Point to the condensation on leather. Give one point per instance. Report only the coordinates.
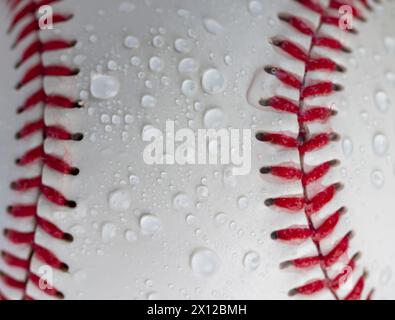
(119, 269)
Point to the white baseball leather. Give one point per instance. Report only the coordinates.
(105, 261)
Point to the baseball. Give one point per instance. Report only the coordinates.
(197, 149)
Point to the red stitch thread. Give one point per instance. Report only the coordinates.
(39, 71)
(54, 101)
(305, 143)
(26, 10)
(14, 261)
(41, 47)
(33, 26)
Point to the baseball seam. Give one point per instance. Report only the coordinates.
(305, 143)
(27, 10)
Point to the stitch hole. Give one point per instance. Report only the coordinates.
(68, 237)
(340, 68)
(363, 19)
(284, 17)
(269, 202)
(337, 87)
(64, 267)
(271, 70)
(74, 171)
(265, 170)
(261, 136)
(77, 136)
(338, 186)
(334, 136)
(20, 110)
(292, 292)
(285, 264)
(71, 204)
(79, 104)
(264, 102)
(357, 256)
(350, 234)
(18, 86)
(276, 42)
(342, 210)
(75, 72)
(274, 235)
(59, 295)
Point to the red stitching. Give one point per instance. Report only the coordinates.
(306, 143)
(51, 101)
(27, 11)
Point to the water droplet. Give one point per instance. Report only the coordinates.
(202, 192)
(213, 81)
(112, 65)
(255, 7)
(115, 119)
(126, 7)
(129, 119)
(377, 178)
(380, 144)
(181, 201)
(135, 61)
(131, 236)
(108, 232)
(382, 101)
(243, 202)
(93, 38)
(364, 115)
(229, 178)
(385, 276)
(149, 224)
(134, 180)
(120, 200)
(132, 42)
(389, 44)
(158, 41)
(153, 296)
(220, 218)
(190, 219)
(183, 45)
(148, 101)
(390, 76)
(105, 118)
(189, 88)
(347, 146)
(204, 262)
(104, 86)
(149, 131)
(213, 26)
(188, 66)
(228, 60)
(183, 13)
(214, 119)
(156, 64)
(251, 260)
